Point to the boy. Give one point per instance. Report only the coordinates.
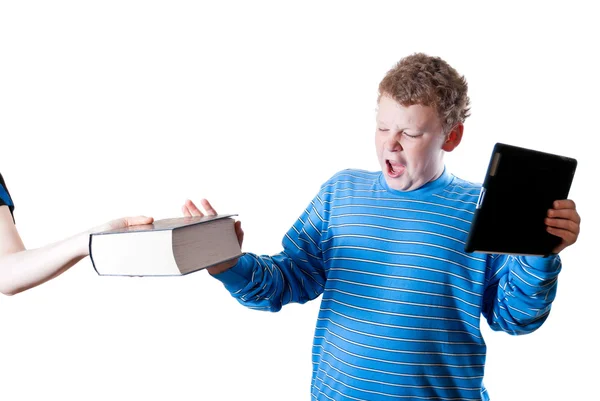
(399, 317)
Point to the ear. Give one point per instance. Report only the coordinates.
(453, 138)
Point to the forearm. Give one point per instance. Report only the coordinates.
(520, 298)
(297, 274)
(25, 269)
(268, 283)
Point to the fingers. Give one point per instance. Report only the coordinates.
(137, 220)
(239, 232)
(564, 204)
(208, 207)
(123, 222)
(565, 224)
(567, 236)
(565, 214)
(190, 209)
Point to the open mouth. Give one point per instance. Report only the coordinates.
(394, 169)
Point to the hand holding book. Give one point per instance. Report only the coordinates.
(122, 223)
(112, 225)
(190, 209)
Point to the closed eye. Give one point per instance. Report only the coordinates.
(402, 133)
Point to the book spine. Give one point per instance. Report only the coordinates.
(91, 253)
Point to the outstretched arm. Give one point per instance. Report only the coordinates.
(268, 282)
(21, 269)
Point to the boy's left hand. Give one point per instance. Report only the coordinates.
(563, 221)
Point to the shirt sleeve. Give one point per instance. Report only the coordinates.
(296, 274)
(519, 291)
(5, 199)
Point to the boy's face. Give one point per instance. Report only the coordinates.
(409, 144)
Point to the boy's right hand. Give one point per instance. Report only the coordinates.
(190, 209)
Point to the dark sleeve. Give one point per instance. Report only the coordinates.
(5, 199)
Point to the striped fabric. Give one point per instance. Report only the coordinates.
(399, 316)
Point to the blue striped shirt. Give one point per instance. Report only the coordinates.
(399, 316)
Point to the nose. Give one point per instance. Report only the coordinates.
(393, 143)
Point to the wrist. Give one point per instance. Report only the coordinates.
(82, 242)
(221, 267)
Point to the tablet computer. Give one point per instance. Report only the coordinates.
(519, 187)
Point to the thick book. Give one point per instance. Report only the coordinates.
(169, 247)
(520, 186)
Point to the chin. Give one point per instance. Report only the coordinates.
(397, 184)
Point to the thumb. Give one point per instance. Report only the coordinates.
(239, 232)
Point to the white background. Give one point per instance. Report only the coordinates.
(119, 108)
